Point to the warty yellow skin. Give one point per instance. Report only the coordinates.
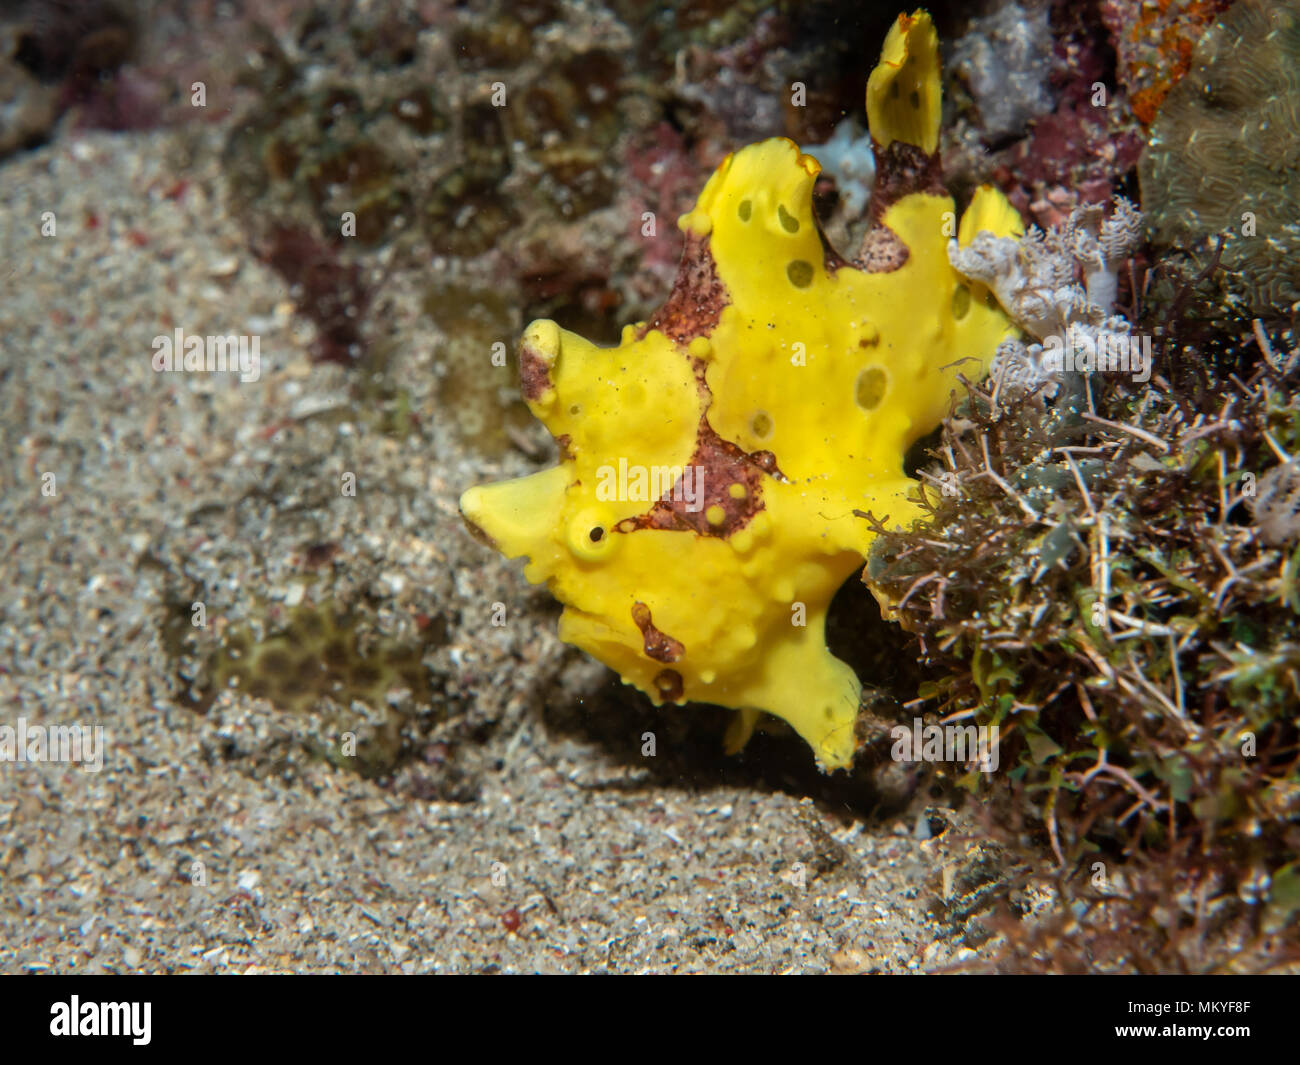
(815, 375)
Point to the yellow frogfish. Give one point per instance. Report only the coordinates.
(716, 463)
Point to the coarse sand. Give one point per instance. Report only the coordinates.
(516, 835)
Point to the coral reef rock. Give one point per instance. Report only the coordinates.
(1224, 152)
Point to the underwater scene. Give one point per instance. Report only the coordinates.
(649, 486)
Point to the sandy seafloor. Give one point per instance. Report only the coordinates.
(601, 861)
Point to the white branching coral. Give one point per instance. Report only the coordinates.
(1101, 245)
(1059, 286)
(1066, 276)
(1018, 369)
